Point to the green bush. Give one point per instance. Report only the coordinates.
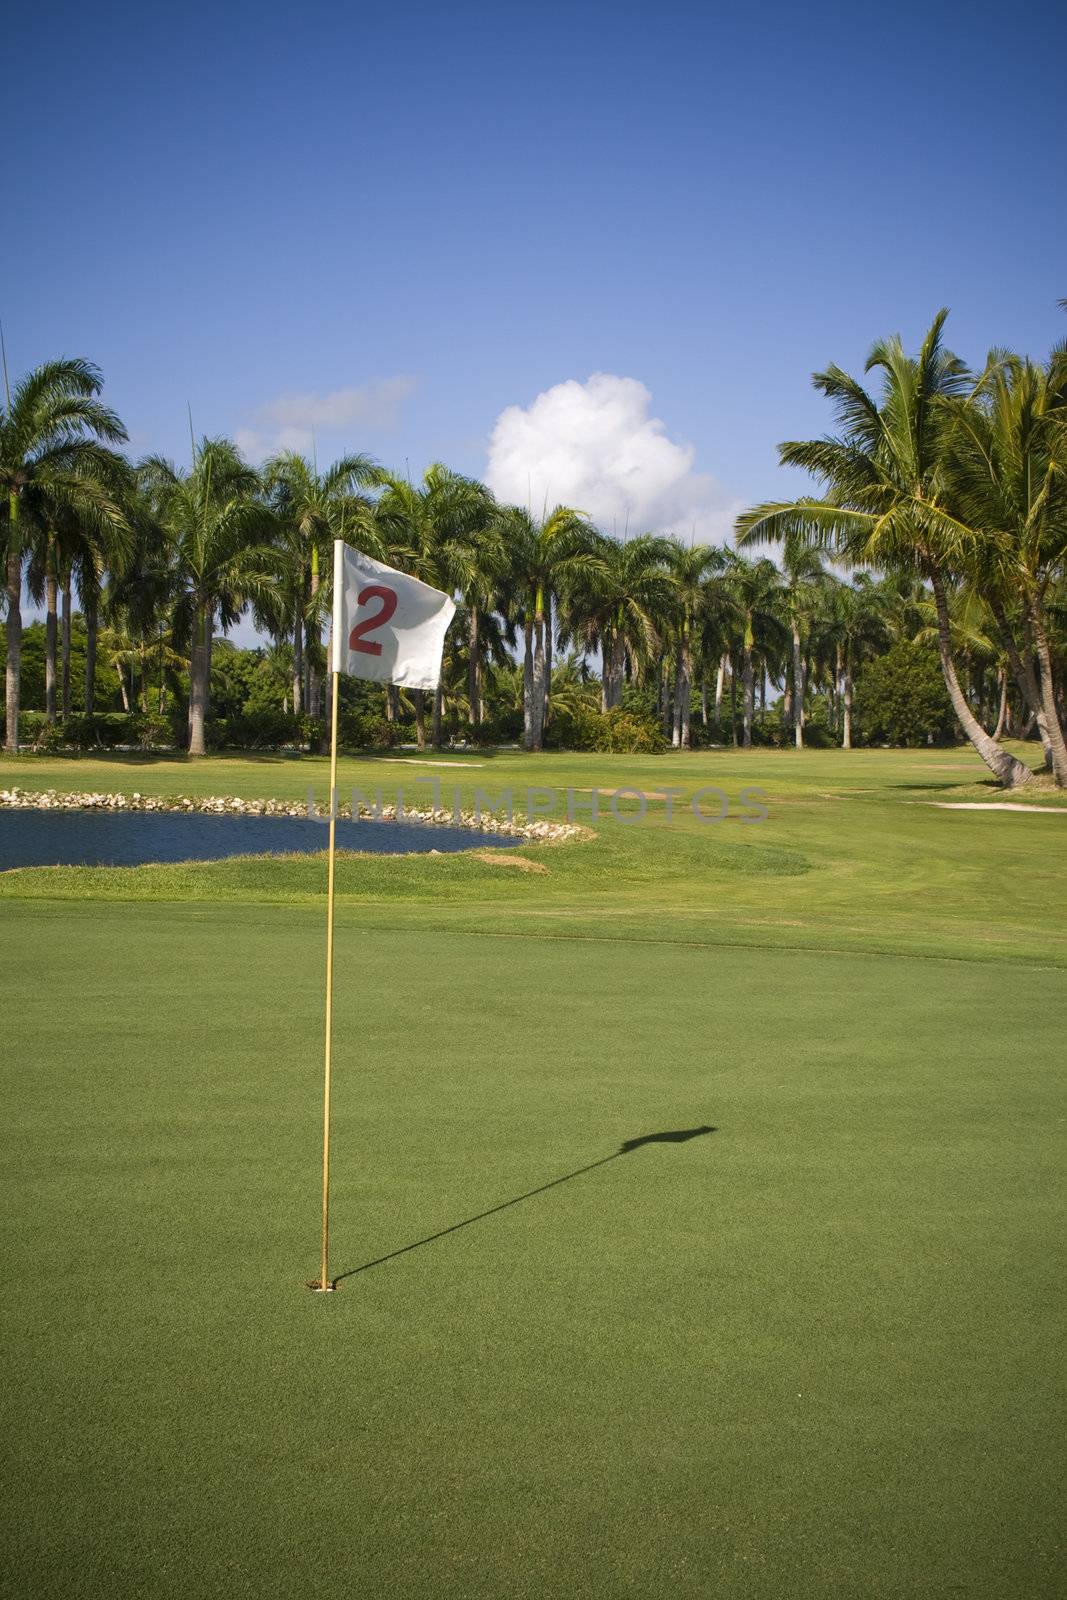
(266, 729)
(629, 733)
(151, 730)
(573, 728)
(617, 732)
(818, 734)
(504, 729)
(901, 699)
(103, 730)
(361, 730)
(36, 731)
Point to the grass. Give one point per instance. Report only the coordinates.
(813, 1353)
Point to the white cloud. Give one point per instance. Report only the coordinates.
(293, 421)
(595, 446)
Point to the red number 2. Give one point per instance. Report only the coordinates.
(357, 639)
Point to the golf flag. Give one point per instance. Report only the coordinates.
(390, 628)
(387, 626)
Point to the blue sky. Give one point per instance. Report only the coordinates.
(389, 224)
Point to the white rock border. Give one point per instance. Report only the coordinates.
(540, 831)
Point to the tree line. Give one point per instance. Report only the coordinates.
(945, 495)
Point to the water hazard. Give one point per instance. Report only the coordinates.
(131, 839)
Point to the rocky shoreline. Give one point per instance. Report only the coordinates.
(540, 831)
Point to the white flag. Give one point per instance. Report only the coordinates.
(387, 626)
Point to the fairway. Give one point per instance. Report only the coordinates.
(814, 1351)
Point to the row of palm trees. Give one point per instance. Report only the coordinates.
(949, 485)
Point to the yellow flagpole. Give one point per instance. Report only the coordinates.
(324, 1285)
(324, 1279)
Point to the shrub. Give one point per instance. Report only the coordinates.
(573, 728)
(901, 699)
(617, 732)
(361, 730)
(506, 728)
(267, 729)
(629, 733)
(818, 734)
(103, 730)
(36, 731)
(107, 729)
(151, 730)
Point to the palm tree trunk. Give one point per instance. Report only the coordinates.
(65, 652)
(1002, 716)
(539, 684)
(125, 696)
(528, 686)
(438, 711)
(733, 703)
(676, 725)
(1053, 728)
(749, 705)
(685, 689)
(835, 687)
(720, 678)
(1009, 772)
(298, 661)
(846, 699)
(798, 689)
(614, 662)
(704, 703)
(312, 639)
(91, 625)
(14, 632)
(199, 680)
(420, 718)
(51, 591)
(546, 699)
(474, 686)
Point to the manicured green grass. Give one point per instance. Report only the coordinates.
(813, 1353)
(851, 857)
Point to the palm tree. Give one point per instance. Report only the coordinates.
(805, 580)
(220, 532)
(54, 464)
(693, 567)
(885, 501)
(857, 629)
(473, 559)
(314, 509)
(66, 552)
(544, 559)
(617, 600)
(757, 587)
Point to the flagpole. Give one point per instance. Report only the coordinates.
(324, 1278)
(422, 627)
(324, 1284)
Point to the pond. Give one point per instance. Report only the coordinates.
(31, 838)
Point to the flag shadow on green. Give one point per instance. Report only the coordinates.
(671, 1136)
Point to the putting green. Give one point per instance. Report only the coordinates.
(811, 1353)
